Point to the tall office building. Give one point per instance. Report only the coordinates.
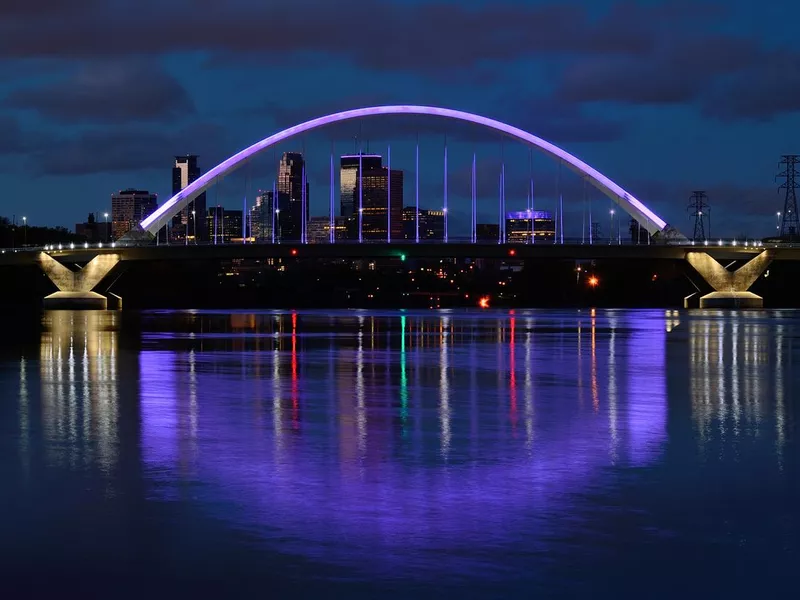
(190, 220)
(128, 208)
(378, 186)
(225, 226)
(431, 224)
(348, 176)
(261, 217)
(290, 197)
(524, 226)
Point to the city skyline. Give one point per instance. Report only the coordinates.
(665, 98)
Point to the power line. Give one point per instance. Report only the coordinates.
(789, 218)
(701, 211)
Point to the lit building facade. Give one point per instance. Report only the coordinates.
(319, 229)
(189, 221)
(376, 188)
(291, 184)
(224, 226)
(529, 225)
(128, 208)
(431, 224)
(348, 178)
(261, 217)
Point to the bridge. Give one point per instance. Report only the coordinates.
(76, 286)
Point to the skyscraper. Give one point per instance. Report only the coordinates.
(190, 220)
(292, 197)
(379, 185)
(261, 217)
(348, 173)
(431, 224)
(128, 208)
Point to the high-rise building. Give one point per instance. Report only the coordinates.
(348, 176)
(319, 229)
(224, 226)
(292, 195)
(189, 221)
(374, 188)
(431, 224)
(261, 217)
(526, 225)
(128, 208)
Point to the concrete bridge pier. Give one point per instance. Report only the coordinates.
(75, 287)
(730, 287)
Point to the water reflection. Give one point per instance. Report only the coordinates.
(737, 378)
(374, 441)
(79, 388)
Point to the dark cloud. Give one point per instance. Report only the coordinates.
(428, 37)
(12, 138)
(121, 150)
(108, 91)
(761, 91)
(678, 71)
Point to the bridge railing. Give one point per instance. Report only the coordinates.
(567, 241)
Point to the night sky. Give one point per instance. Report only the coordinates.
(662, 97)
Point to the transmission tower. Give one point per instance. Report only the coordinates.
(701, 211)
(790, 227)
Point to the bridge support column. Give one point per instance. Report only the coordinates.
(75, 287)
(730, 287)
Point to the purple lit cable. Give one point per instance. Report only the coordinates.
(445, 189)
(632, 205)
(332, 219)
(360, 195)
(389, 194)
(416, 173)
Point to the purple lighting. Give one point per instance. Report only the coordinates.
(527, 214)
(629, 203)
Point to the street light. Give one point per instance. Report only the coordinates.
(24, 231)
(194, 224)
(610, 226)
(107, 232)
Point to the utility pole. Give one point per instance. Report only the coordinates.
(701, 211)
(790, 227)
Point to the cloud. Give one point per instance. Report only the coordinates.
(439, 36)
(12, 138)
(110, 92)
(124, 149)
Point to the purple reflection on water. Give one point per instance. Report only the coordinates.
(330, 469)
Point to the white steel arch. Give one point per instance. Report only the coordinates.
(630, 204)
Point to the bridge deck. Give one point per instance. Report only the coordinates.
(395, 250)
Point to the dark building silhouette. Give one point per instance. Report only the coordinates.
(93, 230)
(431, 224)
(128, 208)
(639, 235)
(291, 180)
(189, 221)
(487, 232)
(348, 177)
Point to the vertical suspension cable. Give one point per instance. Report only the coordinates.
(360, 194)
(474, 229)
(275, 209)
(389, 194)
(416, 213)
(332, 223)
(445, 189)
(583, 223)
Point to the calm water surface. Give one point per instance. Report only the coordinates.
(619, 454)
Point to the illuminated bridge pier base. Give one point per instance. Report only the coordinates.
(730, 287)
(75, 288)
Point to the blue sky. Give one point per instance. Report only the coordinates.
(662, 97)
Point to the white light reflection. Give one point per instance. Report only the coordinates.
(444, 389)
